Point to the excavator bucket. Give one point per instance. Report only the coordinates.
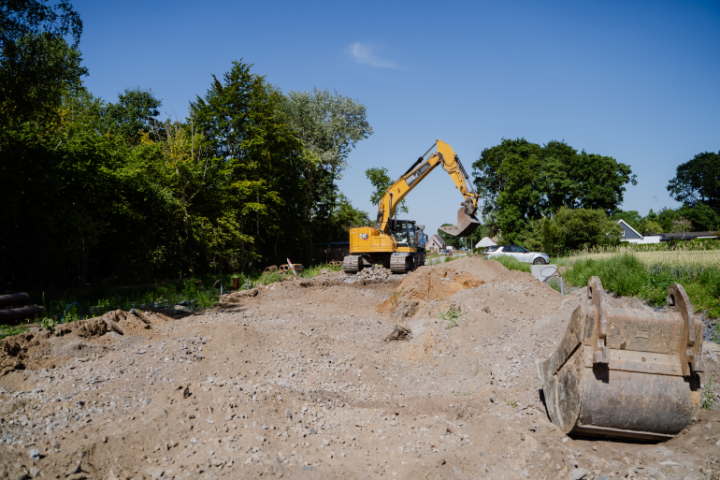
(621, 372)
(466, 224)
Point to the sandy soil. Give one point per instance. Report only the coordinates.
(303, 379)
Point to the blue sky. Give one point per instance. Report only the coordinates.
(634, 80)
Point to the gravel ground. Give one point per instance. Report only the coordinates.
(302, 379)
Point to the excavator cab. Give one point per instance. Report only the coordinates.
(404, 232)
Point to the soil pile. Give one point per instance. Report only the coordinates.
(426, 286)
(307, 379)
(43, 349)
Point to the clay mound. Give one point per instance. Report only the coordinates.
(42, 349)
(440, 282)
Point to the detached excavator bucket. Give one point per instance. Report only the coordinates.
(625, 373)
(466, 224)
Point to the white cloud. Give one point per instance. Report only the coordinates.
(363, 54)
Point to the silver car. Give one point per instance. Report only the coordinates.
(517, 252)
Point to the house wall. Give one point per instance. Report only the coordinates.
(630, 236)
(648, 239)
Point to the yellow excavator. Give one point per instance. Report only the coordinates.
(397, 244)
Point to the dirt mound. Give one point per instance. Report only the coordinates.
(43, 349)
(439, 283)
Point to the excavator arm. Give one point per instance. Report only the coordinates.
(443, 155)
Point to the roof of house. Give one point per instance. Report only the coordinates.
(688, 235)
(438, 240)
(623, 222)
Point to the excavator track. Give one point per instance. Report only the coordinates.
(352, 263)
(400, 263)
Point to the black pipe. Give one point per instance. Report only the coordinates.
(14, 299)
(20, 313)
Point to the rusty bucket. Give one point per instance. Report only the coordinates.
(623, 372)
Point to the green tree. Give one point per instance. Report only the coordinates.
(665, 218)
(650, 226)
(329, 125)
(583, 227)
(19, 18)
(702, 217)
(632, 217)
(37, 71)
(682, 225)
(507, 179)
(698, 181)
(381, 181)
(133, 114)
(549, 236)
(258, 153)
(520, 181)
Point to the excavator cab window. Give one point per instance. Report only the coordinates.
(404, 233)
(411, 234)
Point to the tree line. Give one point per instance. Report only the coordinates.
(96, 191)
(556, 198)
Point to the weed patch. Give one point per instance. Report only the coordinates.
(451, 316)
(708, 394)
(627, 275)
(512, 263)
(8, 331)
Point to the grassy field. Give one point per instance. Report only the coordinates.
(648, 275)
(666, 258)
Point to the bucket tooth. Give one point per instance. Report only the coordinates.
(621, 372)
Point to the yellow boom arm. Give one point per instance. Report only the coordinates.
(443, 155)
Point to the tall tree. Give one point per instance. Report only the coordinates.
(36, 72)
(330, 125)
(134, 114)
(19, 18)
(381, 181)
(702, 217)
(507, 178)
(241, 119)
(520, 181)
(698, 181)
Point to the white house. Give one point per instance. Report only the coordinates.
(633, 236)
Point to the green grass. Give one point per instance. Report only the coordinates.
(314, 271)
(626, 275)
(451, 316)
(196, 293)
(512, 263)
(8, 331)
(708, 394)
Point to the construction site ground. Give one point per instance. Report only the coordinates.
(341, 376)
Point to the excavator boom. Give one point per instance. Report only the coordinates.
(445, 156)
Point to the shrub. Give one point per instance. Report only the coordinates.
(623, 274)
